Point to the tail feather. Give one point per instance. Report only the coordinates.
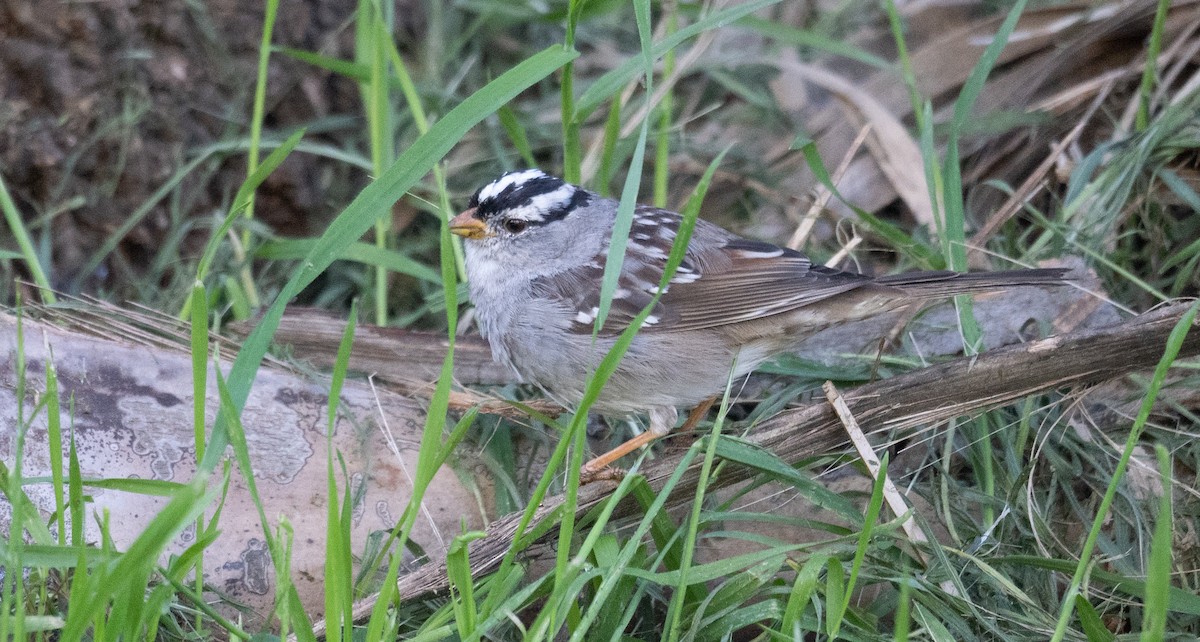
(946, 283)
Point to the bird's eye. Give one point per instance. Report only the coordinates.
(515, 225)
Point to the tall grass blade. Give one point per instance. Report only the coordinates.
(1150, 71)
(256, 124)
(629, 194)
(132, 571)
(55, 441)
(17, 226)
(571, 119)
(689, 544)
(462, 595)
(199, 354)
(516, 135)
(339, 597)
(874, 506)
(1158, 577)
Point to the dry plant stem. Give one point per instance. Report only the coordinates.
(404, 361)
(824, 193)
(891, 494)
(921, 398)
(844, 251)
(462, 401)
(866, 452)
(1033, 182)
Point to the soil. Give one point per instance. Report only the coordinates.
(101, 104)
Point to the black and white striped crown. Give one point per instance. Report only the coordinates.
(532, 194)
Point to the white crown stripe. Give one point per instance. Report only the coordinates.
(493, 189)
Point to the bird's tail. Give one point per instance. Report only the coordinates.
(946, 283)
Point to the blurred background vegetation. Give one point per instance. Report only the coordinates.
(124, 130)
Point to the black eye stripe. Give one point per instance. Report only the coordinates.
(518, 195)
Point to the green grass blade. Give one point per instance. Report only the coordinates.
(903, 618)
(675, 610)
(1091, 622)
(432, 451)
(260, 101)
(339, 593)
(1158, 577)
(21, 235)
(888, 231)
(800, 595)
(55, 441)
(133, 570)
(570, 118)
(458, 570)
(952, 192)
(199, 357)
(371, 34)
(199, 352)
(762, 460)
(633, 179)
(1180, 600)
(244, 198)
(624, 222)
(75, 488)
(605, 370)
(874, 506)
(953, 210)
(835, 596)
(621, 565)
(662, 144)
(358, 252)
(608, 161)
(256, 124)
(516, 134)
(1150, 71)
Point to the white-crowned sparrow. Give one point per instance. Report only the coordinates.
(535, 255)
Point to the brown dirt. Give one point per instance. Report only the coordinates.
(102, 102)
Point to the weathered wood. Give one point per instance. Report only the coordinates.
(133, 419)
(406, 361)
(399, 355)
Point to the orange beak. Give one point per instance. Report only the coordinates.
(467, 226)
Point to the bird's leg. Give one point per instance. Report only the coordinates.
(698, 413)
(662, 420)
